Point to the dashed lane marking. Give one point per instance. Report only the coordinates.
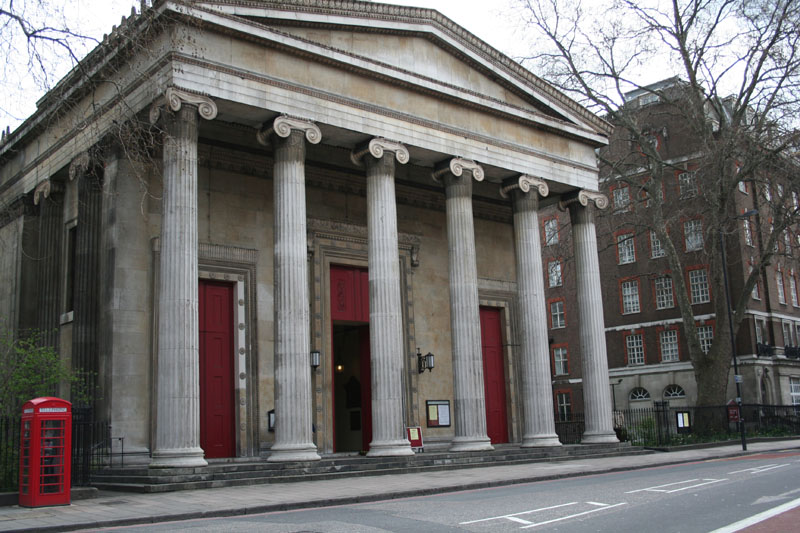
(512, 516)
(572, 516)
(662, 488)
(759, 469)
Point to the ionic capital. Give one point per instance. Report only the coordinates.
(45, 189)
(174, 98)
(79, 165)
(376, 148)
(583, 197)
(524, 184)
(456, 167)
(283, 126)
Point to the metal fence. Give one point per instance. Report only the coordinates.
(91, 448)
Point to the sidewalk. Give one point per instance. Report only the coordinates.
(118, 508)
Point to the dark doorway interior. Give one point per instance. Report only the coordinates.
(351, 388)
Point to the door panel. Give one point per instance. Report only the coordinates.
(217, 437)
(494, 375)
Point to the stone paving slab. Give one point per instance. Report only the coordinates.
(117, 509)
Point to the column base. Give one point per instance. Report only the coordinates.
(540, 441)
(390, 448)
(599, 438)
(471, 444)
(178, 458)
(293, 452)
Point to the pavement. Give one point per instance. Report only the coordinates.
(110, 509)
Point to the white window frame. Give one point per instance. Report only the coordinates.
(561, 361)
(760, 327)
(794, 390)
(665, 297)
(748, 232)
(670, 352)
(621, 197)
(557, 312)
(698, 286)
(638, 394)
(634, 348)
(551, 231)
(626, 249)
(705, 335)
(688, 184)
(693, 234)
(674, 391)
(793, 290)
(787, 329)
(564, 406)
(656, 250)
(630, 297)
(742, 187)
(554, 273)
(780, 287)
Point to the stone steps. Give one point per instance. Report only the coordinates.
(238, 473)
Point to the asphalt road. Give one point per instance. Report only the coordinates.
(694, 497)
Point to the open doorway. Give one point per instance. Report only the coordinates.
(352, 388)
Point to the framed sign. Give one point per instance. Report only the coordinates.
(438, 413)
(414, 434)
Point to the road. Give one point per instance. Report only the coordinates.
(694, 497)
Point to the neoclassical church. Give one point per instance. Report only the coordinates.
(251, 220)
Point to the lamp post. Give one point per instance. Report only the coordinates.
(736, 377)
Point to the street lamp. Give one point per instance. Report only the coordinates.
(736, 377)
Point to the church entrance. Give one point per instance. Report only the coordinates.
(493, 375)
(352, 381)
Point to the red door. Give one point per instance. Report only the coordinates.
(216, 369)
(493, 376)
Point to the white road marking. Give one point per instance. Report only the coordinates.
(759, 469)
(572, 516)
(518, 520)
(509, 516)
(598, 504)
(661, 486)
(778, 497)
(707, 482)
(760, 517)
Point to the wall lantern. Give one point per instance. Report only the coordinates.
(314, 359)
(424, 361)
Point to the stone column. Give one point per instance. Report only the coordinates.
(293, 431)
(537, 399)
(177, 439)
(49, 196)
(469, 409)
(385, 304)
(596, 396)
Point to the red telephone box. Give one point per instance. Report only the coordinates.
(45, 457)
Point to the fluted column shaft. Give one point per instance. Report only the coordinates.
(596, 397)
(385, 311)
(51, 229)
(177, 441)
(293, 431)
(469, 409)
(537, 398)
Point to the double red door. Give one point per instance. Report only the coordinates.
(493, 375)
(216, 369)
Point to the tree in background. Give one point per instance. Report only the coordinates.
(734, 106)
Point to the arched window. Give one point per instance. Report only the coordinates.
(674, 391)
(639, 393)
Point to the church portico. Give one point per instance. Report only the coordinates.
(295, 149)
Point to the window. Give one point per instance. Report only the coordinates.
(621, 198)
(634, 345)
(787, 334)
(554, 273)
(560, 363)
(760, 329)
(638, 394)
(779, 287)
(669, 345)
(698, 286)
(743, 187)
(706, 336)
(755, 294)
(557, 318)
(693, 234)
(626, 250)
(674, 391)
(687, 184)
(550, 231)
(794, 390)
(630, 296)
(748, 232)
(787, 242)
(655, 246)
(779, 191)
(564, 406)
(767, 194)
(793, 290)
(795, 200)
(664, 296)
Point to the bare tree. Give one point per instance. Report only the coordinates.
(729, 116)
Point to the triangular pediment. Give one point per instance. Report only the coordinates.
(415, 47)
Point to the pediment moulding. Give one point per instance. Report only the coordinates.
(456, 166)
(175, 98)
(524, 184)
(583, 197)
(283, 126)
(376, 147)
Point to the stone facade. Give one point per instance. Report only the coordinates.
(264, 152)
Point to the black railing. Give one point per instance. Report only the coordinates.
(792, 352)
(91, 449)
(765, 350)
(569, 427)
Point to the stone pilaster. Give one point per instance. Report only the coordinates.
(293, 431)
(596, 396)
(469, 409)
(537, 398)
(385, 305)
(177, 439)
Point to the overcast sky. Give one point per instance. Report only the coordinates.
(488, 20)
